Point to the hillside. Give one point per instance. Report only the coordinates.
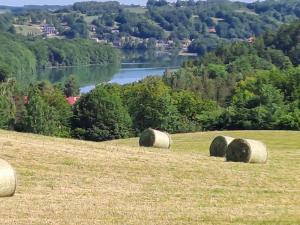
(194, 26)
(22, 57)
(74, 182)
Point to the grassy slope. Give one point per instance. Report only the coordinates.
(75, 182)
(138, 10)
(26, 29)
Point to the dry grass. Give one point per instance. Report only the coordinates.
(28, 30)
(74, 182)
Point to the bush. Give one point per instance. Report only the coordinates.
(100, 115)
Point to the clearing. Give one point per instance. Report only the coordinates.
(28, 30)
(62, 181)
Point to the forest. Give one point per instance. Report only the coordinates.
(238, 86)
(20, 55)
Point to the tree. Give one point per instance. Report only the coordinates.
(56, 99)
(100, 115)
(7, 104)
(151, 105)
(196, 113)
(40, 118)
(4, 73)
(71, 87)
(255, 105)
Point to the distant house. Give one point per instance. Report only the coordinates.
(251, 40)
(117, 43)
(185, 44)
(95, 40)
(25, 99)
(115, 31)
(48, 30)
(212, 30)
(162, 45)
(93, 28)
(72, 99)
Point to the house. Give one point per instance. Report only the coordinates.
(185, 44)
(95, 39)
(72, 99)
(115, 31)
(251, 40)
(25, 99)
(212, 30)
(161, 45)
(93, 28)
(48, 30)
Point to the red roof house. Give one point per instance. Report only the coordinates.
(72, 99)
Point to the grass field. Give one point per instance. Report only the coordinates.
(89, 19)
(138, 10)
(75, 182)
(26, 29)
(246, 11)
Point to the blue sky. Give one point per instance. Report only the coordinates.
(66, 2)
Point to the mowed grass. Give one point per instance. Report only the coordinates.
(137, 10)
(28, 30)
(64, 181)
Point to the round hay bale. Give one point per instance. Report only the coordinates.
(155, 138)
(219, 146)
(8, 180)
(246, 150)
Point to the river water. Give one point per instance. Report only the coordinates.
(135, 66)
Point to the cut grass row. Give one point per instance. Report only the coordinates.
(65, 181)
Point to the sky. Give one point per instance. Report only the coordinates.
(67, 2)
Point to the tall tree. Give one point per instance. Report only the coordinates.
(40, 118)
(71, 87)
(100, 115)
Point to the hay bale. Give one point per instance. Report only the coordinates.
(246, 150)
(219, 146)
(155, 138)
(8, 181)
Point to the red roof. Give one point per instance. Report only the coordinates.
(26, 99)
(72, 99)
(212, 30)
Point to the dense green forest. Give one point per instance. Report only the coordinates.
(205, 23)
(23, 56)
(256, 85)
(237, 86)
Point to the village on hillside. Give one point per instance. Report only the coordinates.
(76, 24)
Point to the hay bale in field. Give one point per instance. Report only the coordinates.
(155, 138)
(8, 180)
(246, 150)
(219, 146)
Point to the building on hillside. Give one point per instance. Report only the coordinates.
(95, 39)
(162, 45)
(72, 100)
(212, 30)
(115, 31)
(48, 30)
(185, 44)
(93, 28)
(251, 40)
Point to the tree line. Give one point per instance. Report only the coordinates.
(23, 56)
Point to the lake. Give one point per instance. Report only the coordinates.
(135, 66)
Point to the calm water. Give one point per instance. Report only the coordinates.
(135, 66)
